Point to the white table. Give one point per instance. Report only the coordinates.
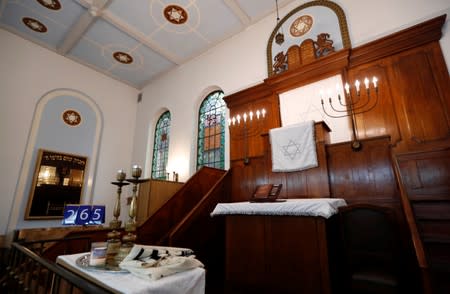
(188, 282)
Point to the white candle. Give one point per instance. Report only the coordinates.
(263, 111)
(374, 81)
(238, 117)
(251, 115)
(257, 114)
(347, 88)
(136, 171)
(245, 117)
(121, 175)
(366, 83)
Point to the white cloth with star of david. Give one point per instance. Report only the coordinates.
(293, 147)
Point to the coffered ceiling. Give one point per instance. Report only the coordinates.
(133, 41)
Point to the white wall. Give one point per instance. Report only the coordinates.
(240, 62)
(27, 73)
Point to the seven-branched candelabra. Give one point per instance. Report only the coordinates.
(353, 106)
(245, 120)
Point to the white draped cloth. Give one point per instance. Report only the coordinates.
(293, 147)
(324, 207)
(154, 262)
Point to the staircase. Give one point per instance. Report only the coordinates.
(424, 180)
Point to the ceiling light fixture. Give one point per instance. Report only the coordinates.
(279, 37)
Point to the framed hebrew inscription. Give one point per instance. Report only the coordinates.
(58, 180)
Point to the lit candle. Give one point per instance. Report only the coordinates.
(251, 115)
(121, 175)
(136, 171)
(366, 83)
(357, 86)
(321, 94)
(263, 111)
(257, 114)
(374, 81)
(245, 117)
(347, 88)
(238, 117)
(233, 120)
(229, 121)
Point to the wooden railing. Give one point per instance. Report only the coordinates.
(412, 225)
(27, 272)
(155, 229)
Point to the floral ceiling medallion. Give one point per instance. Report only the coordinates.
(175, 14)
(123, 57)
(301, 25)
(71, 117)
(50, 4)
(34, 24)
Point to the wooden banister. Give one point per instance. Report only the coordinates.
(411, 221)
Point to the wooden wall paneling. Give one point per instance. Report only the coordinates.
(246, 137)
(245, 178)
(365, 175)
(421, 99)
(378, 119)
(152, 195)
(412, 37)
(426, 175)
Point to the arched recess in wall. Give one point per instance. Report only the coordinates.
(51, 131)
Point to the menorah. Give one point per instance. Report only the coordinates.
(352, 107)
(246, 118)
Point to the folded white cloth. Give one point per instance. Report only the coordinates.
(293, 147)
(155, 262)
(324, 207)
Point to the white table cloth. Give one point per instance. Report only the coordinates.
(188, 282)
(324, 207)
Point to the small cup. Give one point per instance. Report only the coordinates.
(98, 254)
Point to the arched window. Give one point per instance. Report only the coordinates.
(161, 147)
(211, 132)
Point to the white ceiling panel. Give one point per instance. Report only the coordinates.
(132, 41)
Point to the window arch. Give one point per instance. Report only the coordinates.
(161, 147)
(211, 132)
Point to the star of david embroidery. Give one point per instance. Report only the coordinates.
(291, 149)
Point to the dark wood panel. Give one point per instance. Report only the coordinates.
(426, 175)
(267, 254)
(364, 175)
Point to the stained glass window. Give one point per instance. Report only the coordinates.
(161, 147)
(211, 132)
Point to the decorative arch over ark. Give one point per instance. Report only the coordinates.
(308, 35)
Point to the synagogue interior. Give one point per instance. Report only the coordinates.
(225, 146)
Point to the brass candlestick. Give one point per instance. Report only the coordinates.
(130, 226)
(116, 223)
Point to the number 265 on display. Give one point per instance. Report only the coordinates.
(84, 215)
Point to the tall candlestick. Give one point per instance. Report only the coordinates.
(121, 175)
(136, 171)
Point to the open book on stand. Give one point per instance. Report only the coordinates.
(267, 193)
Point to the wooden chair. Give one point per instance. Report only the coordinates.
(371, 249)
